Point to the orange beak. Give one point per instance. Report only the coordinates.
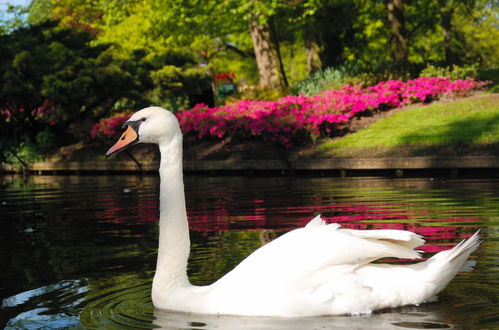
(127, 138)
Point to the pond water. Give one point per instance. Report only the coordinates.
(80, 251)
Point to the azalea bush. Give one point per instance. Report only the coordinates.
(293, 120)
(109, 127)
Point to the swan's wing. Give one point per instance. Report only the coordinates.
(320, 248)
(311, 270)
(317, 222)
(399, 237)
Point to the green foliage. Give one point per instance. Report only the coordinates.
(454, 72)
(372, 78)
(45, 140)
(321, 80)
(178, 87)
(335, 78)
(39, 11)
(25, 152)
(52, 81)
(479, 33)
(256, 93)
(492, 76)
(28, 152)
(216, 34)
(12, 18)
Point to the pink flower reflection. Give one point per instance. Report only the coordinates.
(436, 228)
(216, 212)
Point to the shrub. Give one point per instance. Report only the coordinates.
(454, 72)
(108, 127)
(335, 78)
(373, 78)
(297, 119)
(45, 140)
(490, 75)
(256, 93)
(321, 80)
(293, 120)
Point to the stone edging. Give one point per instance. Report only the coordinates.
(391, 163)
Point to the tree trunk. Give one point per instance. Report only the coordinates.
(266, 55)
(330, 31)
(312, 50)
(446, 23)
(275, 40)
(396, 22)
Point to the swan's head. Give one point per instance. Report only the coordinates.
(149, 125)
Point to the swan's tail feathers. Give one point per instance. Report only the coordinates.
(440, 269)
(460, 253)
(443, 266)
(466, 247)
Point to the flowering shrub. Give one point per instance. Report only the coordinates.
(292, 118)
(297, 119)
(108, 127)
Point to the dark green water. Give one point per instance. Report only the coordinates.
(79, 251)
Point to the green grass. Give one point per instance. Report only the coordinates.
(468, 126)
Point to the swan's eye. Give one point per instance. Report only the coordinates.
(143, 119)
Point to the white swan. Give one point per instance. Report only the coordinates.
(316, 270)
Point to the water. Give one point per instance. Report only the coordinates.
(80, 251)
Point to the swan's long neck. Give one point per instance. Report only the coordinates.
(174, 244)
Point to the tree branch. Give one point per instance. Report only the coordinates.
(243, 53)
(23, 163)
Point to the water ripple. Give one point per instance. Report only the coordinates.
(116, 307)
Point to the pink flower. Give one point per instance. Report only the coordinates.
(109, 126)
(292, 119)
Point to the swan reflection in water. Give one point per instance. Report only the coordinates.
(404, 318)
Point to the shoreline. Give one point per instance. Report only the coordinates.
(343, 167)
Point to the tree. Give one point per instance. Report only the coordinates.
(452, 36)
(205, 31)
(396, 22)
(265, 53)
(479, 33)
(12, 18)
(259, 39)
(54, 85)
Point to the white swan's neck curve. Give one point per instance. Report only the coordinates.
(174, 243)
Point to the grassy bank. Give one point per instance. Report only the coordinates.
(464, 127)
